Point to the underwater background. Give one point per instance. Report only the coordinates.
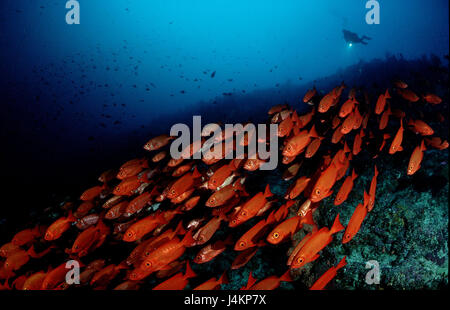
(77, 100)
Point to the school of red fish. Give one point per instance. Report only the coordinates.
(120, 209)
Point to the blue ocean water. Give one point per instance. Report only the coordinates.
(78, 99)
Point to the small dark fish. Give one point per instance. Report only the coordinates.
(213, 74)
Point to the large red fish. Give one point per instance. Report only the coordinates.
(358, 216)
(158, 142)
(299, 142)
(397, 142)
(328, 276)
(416, 159)
(251, 207)
(345, 189)
(381, 102)
(55, 230)
(178, 281)
(316, 243)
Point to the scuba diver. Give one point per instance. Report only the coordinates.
(351, 37)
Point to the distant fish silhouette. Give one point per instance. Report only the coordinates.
(213, 74)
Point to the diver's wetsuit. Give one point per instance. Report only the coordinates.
(351, 37)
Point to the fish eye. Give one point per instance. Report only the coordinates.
(317, 191)
(147, 253)
(244, 213)
(276, 235)
(213, 181)
(242, 244)
(300, 260)
(148, 264)
(173, 192)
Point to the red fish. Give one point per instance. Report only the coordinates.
(158, 142)
(130, 185)
(223, 195)
(348, 123)
(183, 184)
(34, 282)
(271, 283)
(313, 147)
(384, 120)
(381, 102)
(131, 168)
(420, 127)
(432, 98)
(212, 284)
(328, 276)
(357, 142)
(211, 251)
(397, 142)
(243, 257)
(347, 107)
(309, 95)
(289, 227)
(251, 207)
(416, 159)
(327, 102)
(408, 94)
(144, 226)
(317, 241)
(92, 192)
(166, 253)
(372, 190)
(208, 230)
(255, 235)
(299, 142)
(297, 187)
(26, 236)
(437, 143)
(138, 203)
(221, 175)
(55, 230)
(355, 222)
(322, 188)
(178, 281)
(345, 189)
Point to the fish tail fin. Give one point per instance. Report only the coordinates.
(223, 278)
(376, 171)
(387, 95)
(422, 146)
(309, 219)
(313, 133)
(189, 272)
(342, 263)
(410, 122)
(250, 281)
(366, 199)
(286, 277)
(267, 192)
(180, 229)
(71, 217)
(195, 173)
(337, 226)
(232, 166)
(188, 239)
(346, 148)
(354, 175)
